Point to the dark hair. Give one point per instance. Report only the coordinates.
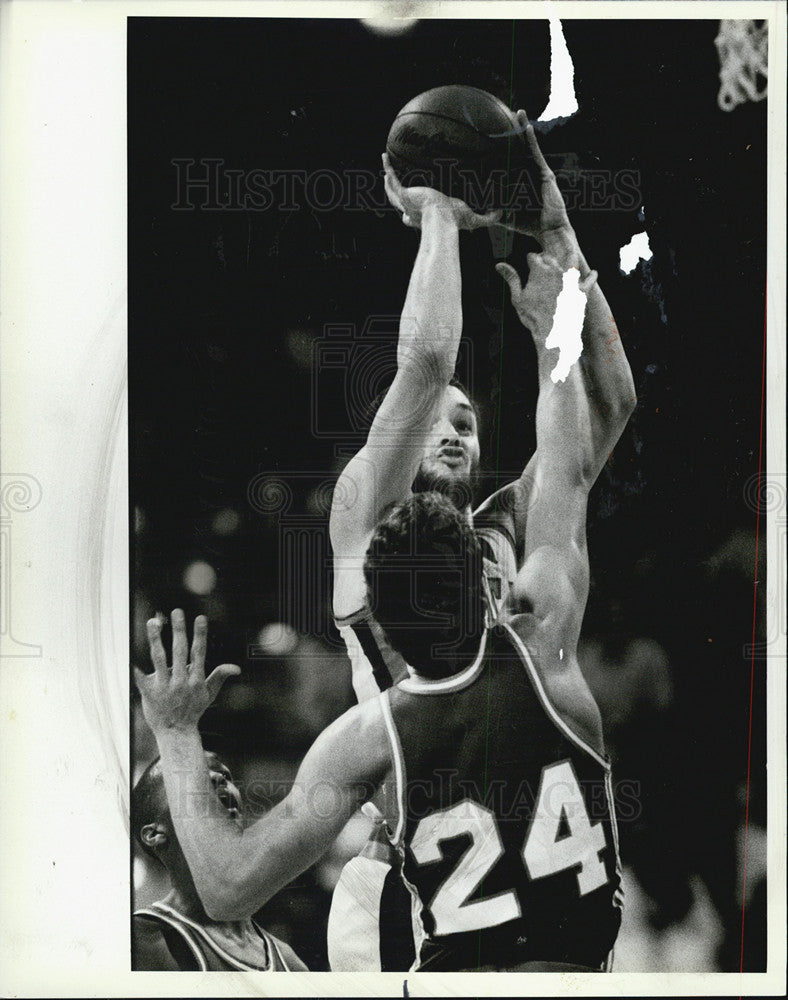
(372, 408)
(423, 571)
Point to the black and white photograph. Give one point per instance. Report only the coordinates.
(426, 592)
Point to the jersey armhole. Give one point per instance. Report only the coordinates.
(544, 698)
(167, 928)
(492, 518)
(398, 760)
(499, 529)
(273, 950)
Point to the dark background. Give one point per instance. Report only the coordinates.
(226, 308)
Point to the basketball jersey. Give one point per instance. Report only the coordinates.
(375, 665)
(367, 925)
(193, 949)
(505, 819)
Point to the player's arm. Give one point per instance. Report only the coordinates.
(606, 375)
(341, 771)
(429, 338)
(236, 871)
(553, 581)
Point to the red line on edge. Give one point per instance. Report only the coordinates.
(752, 659)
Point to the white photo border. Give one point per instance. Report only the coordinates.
(64, 855)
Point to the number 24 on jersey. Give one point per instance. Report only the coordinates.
(543, 852)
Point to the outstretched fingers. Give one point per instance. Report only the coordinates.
(199, 645)
(511, 277)
(536, 152)
(157, 652)
(180, 646)
(550, 261)
(218, 676)
(141, 679)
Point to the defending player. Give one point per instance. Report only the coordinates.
(175, 933)
(514, 864)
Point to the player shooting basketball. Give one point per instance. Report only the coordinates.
(402, 454)
(526, 879)
(425, 436)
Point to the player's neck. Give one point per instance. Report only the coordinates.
(457, 660)
(459, 491)
(185, 900)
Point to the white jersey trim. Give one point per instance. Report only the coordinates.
(399, 766)
(362, 673)
(175, 918)
(154, 911)
(547, 704)
(619, 895)
(363, 613)
(416, 684)
(273, 946)
(416, 921)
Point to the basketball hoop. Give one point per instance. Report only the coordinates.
(743, 50)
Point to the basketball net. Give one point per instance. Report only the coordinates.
(743, 50)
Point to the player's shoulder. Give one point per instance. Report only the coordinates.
(556, 678)
(516, 626)
(501, 503)
(355, 743)
(532, 638)
(552, 583)
(364, 718)
(146, 925)
(154, 947)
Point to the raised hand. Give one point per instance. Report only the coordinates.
(175, 698)
(552, 228)
(413, 201)
(535, 303)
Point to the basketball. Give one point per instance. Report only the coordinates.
(460, 140)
